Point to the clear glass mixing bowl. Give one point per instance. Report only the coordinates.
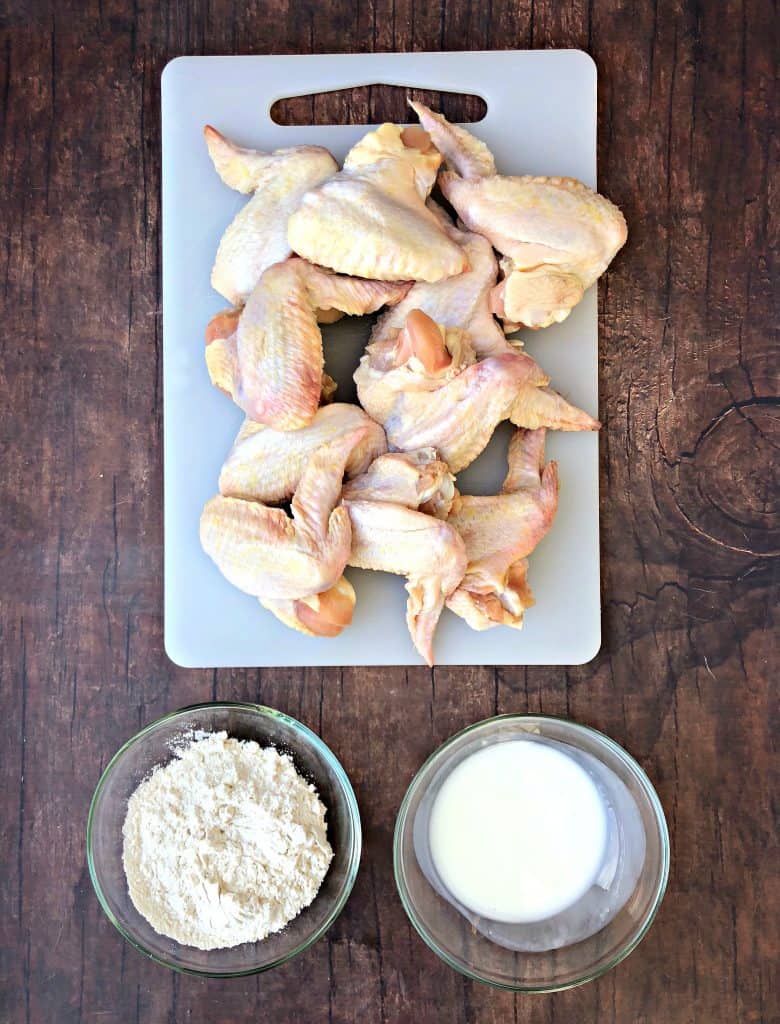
(153, 746)
(583, 941)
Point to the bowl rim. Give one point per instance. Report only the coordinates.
(263, 711)
(630, 762)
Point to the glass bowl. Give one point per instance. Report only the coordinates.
(578, 944)
(152, 747)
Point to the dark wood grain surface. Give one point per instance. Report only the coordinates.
(690, 527)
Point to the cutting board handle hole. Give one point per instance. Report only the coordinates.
(373, 104)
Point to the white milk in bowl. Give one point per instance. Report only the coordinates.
(518, 832)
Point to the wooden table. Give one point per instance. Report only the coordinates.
(689, 508)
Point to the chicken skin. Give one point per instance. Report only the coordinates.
(409, 146)
(426, 390)
(397, 507)
(430, 553)
(417, 480)
(462, 301)
(499, 532)
(463, 152)
(558, 236)
(222, 354)
(370, 220)
(257, 236)
(323, 614)
(264, 552)
(266, 465)
(274, 372)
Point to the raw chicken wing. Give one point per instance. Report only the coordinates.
(499, 532)
(324, 614)
(558, 235)
(409, 146)
(257, 236)
(264, 552)
(461, 301)
(370, 220)
(266, 465)
(391, 538)
(222, 354)
(425, 389)
(465, 154)
(417, 480)
(268, 357)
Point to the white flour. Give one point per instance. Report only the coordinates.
(225, 844)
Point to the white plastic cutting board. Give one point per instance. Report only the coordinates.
(541, 118)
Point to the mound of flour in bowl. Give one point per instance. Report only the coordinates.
(225, 844)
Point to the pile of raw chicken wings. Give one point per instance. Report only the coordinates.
(313, 485)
